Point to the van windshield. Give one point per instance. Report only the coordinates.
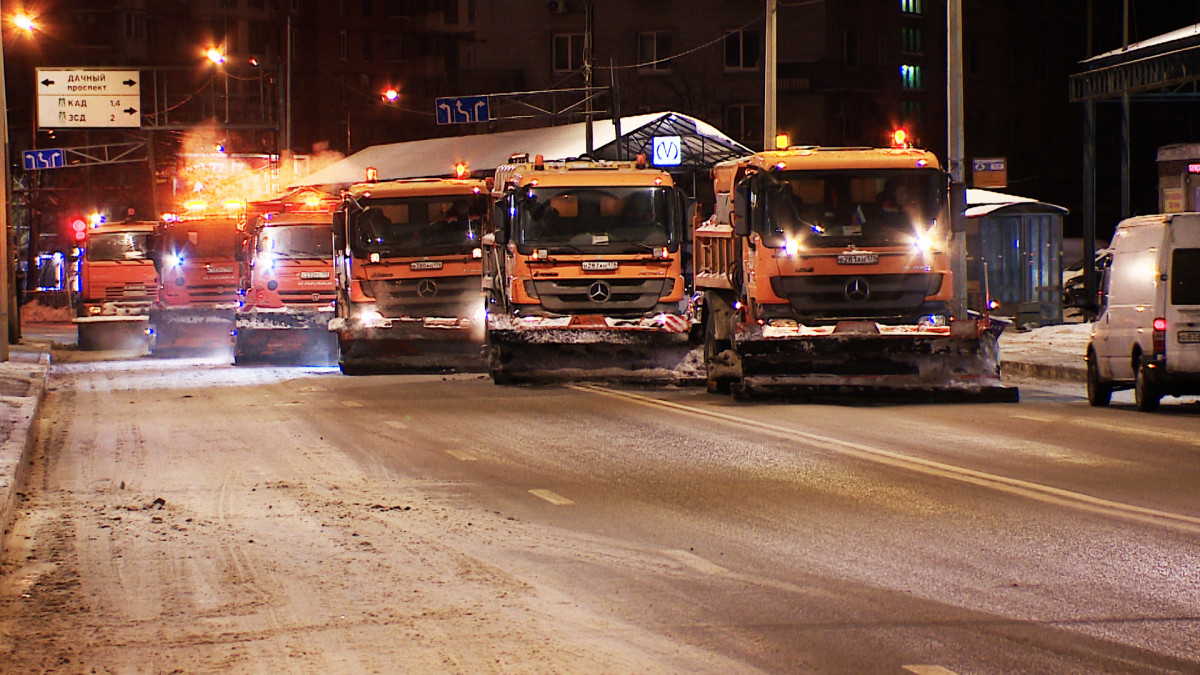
(1185, 276)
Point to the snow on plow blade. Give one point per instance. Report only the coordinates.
(286, 337)
(632, 354)
(191, 332)
(420, 346)
(877, 361)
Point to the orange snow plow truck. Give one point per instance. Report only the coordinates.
(197, 258)
(827, 270)
(287, 285)
(583, 273)
(116, 286)
(407, 267)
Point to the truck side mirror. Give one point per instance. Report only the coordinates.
(502, 217)
(742, 209)
(339, 230)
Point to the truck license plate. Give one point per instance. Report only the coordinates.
(1188, 337)
(426, 265)
(314, 275)
(599, 265)
(857, 258)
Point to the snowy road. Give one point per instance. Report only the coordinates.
(201, 518)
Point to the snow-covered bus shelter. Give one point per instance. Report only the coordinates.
(686, 146)
(1014, 256)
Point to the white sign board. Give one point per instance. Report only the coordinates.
(668, 151)
(83, 97)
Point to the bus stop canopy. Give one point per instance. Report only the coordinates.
(700, 145)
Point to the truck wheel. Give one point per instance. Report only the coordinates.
(496, 370)
(1099, 392)
(1145, 395)
(712, 347)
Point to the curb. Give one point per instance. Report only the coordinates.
(23, 411)
(1044, 371)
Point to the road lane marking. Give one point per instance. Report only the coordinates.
(462, 456)
(695, 562)
(553, 498)
(352, 404)
(929, 670)
(1016, 486)
(395, 424)
(1177, 436)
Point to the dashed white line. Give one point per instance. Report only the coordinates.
(695, 562)
(395, 424)
(552, 497)
(352, 404)
(462, 456)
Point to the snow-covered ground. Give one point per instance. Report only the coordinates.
(1063, 345)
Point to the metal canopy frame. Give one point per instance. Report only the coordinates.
(698, 151)
(1141, 73)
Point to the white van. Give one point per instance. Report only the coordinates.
(1147, 335)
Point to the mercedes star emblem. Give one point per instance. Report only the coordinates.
(599, 292)
(857, 289)
(426, 288)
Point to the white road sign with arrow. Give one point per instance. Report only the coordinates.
(84, 97)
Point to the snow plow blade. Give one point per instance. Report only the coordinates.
(191, 332)
(301, 339)
(872, 362)
(113, 333)
(549, 355)
(409, 347)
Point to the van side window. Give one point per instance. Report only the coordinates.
(1185, 276)
(1104, 272)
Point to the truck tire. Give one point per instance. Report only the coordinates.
(1099, 392)
(1146, 395)
(712, 347)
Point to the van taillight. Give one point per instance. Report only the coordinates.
(1159, 337)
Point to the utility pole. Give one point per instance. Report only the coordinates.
(771, 49)
(958, 186)
(588, 46)
(6, 287)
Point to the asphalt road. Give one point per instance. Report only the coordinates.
(190, 515)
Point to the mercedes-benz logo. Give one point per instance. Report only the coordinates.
(857, 289)
(599, 292)
(426, 288)
(316, 297)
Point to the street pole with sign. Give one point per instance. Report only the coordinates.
(5, 285)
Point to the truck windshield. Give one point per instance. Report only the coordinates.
(417, 226)
(859, 207)
(117, 246)
(204, 240)
(597, 219)
(299, 242)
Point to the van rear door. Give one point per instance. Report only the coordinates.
(1183, 296)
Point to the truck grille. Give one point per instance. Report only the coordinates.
(126, 292)
(611, 297)
(867, 296)
(426, 296)
(306, 297)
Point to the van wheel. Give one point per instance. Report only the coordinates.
(1145, 395)
(1099, 392)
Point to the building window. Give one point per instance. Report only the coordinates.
(850, 46)
(397, 8)
(653, 48)
(451, 12)
(135, 25)
(343, 45)
(741, 50)
(229, 4)
(257, 4)
(394, 49)
(910, 111)
(744, 121)
(912, 6)
(911, 40)
(568, 52)
(910, 77)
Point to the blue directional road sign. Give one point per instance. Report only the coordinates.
(462, 109)
(53, 158)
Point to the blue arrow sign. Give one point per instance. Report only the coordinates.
(462, 109)
(54, 158)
